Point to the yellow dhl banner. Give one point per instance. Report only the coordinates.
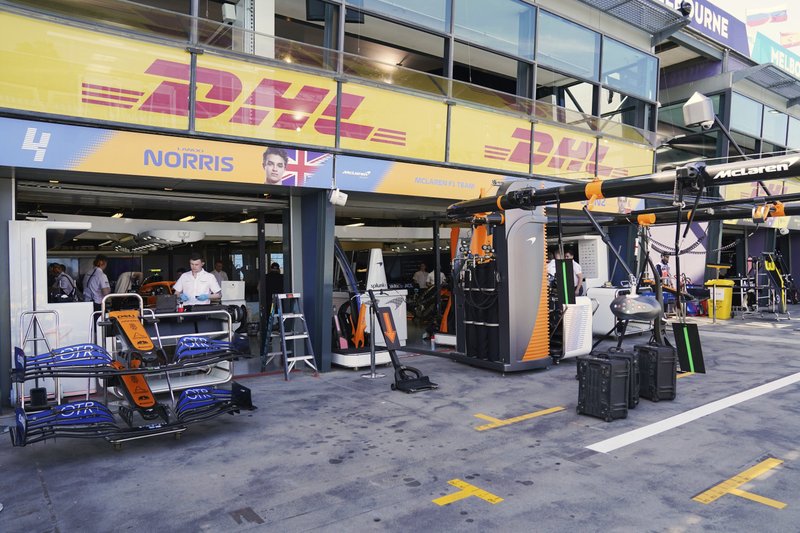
(269, 103)
(487, 139)
(393, 123)
(262, 102)
(56, 69)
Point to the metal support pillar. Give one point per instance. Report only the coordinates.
(7, 201)
(316, 218)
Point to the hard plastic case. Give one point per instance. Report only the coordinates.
(658, 368)
(634, 380)
(603, 387)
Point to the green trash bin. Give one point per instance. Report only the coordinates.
(720, 297)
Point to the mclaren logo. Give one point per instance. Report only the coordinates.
(783, 166)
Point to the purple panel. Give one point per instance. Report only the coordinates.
(697, 71)
(757, 243)
(734, 63)
(795, 244)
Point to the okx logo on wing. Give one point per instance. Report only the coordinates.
(269, 103)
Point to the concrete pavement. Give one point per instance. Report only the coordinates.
(339, 452)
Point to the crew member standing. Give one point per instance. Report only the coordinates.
(197, 287)
(577, 271)
(274, 281)
(421, 276)
(63, 288)
(219, 274)
(663, 271)
(95, 282)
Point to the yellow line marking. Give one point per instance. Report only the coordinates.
(731, 486)
(466, 491)
(489, 418)
(498, 422)
(684, 374)
(760, 499)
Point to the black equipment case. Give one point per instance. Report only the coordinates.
(658, 366)
(634, 378)
(603, 387)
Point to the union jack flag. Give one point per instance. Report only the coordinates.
(301, 166)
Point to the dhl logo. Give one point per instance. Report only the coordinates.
(774, 188)
(571, 155)
(269, 98)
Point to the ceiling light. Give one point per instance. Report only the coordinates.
(105, 243)
(234, 242)
(187, 218)
(118, 215)
(354, 225)
(52, 181)
(248, 220)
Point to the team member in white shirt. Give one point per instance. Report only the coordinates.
(218, 273)
(197, 287)
(577, 271)
(95, 282)
(430, 280)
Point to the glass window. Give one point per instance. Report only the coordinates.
(503, 25)
(691, 147)
(794, 133)
(746, 115)
(479, 67)
(746, 143)
(429, 13)
(629, 70)
(775, 126)
(395, 45)
(304, 23)
(770, 149)
(567, 47)
(563, 91)
(625, 109)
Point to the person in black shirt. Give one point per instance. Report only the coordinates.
(274, 281)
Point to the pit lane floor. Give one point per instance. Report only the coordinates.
(484, 452)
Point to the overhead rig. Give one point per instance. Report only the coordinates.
(693, 176)
(501, 283)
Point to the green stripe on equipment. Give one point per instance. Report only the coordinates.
(688, 348)
(564, 275)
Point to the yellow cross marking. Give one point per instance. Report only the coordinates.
(731, 486)
(756, 498)
(498, 422)
(684, 374)
(466, 491)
